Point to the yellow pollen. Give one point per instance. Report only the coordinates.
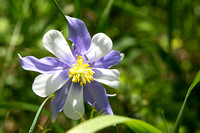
(80, 72)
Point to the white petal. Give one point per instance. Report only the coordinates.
(74, 107)
(46, 84)
(55, 43)
(101, 44)
(108, 77)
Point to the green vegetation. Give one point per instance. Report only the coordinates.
(161, 43)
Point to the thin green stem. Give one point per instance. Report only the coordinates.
(44, 128)
(58, 7)
(47, 121)
(116, 130)
(38, 114)
(93, 109)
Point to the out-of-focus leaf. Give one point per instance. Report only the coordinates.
(21, 106)
(105, 15)
(124, 43)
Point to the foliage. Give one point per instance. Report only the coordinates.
(160, 40)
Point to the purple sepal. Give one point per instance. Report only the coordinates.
(44, 65)
(110, 59)
(95, 94)
(79, 34)
(58, 102)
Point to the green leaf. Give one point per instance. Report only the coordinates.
(178, 120)
(139, 126)
(101, 122)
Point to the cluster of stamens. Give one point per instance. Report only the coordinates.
(80, 72)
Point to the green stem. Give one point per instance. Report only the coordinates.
(58, 7)
(44, 128)
(38, 114)
(93, 109)
(47, 121)
(116, 130)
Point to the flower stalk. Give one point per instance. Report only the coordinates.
(38, 114)
(59, 9)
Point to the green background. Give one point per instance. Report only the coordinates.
(159, 38)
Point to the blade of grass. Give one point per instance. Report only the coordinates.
(178, 120)
(101, 122)
(9, 54)
(105, 15)
(163, 118)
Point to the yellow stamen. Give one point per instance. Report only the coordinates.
(80, 72)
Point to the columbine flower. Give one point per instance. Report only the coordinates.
(77, 73)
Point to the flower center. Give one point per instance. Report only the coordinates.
(81, 73)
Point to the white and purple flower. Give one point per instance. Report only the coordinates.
(77, 73)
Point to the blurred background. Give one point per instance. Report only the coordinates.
(160, 40)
